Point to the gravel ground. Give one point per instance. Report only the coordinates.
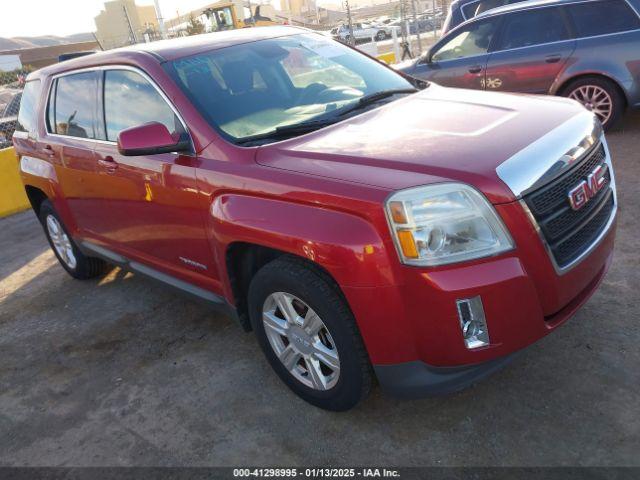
(122, 371)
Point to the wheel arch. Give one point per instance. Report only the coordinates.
(243, 261)
(36, 196)
(247, 232)
(567, 81)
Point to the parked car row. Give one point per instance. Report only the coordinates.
(585, 50)
(381, 28)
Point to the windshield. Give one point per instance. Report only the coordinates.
(255, 88)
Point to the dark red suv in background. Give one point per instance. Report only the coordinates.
(361, 228)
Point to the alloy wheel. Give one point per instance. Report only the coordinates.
(301, 341)
(596, 99)
(61, 242)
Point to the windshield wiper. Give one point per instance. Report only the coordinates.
(286, 131)
(376, 97)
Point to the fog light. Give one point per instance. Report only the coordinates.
(472, 322)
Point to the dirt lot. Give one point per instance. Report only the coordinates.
(122, 371)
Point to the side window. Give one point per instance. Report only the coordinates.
(601, 18)
(130, 100)
(533, 27)
(75, 105)
(27, 115)
(473, 40)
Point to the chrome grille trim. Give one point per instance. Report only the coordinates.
(561, 270)
(552, 155)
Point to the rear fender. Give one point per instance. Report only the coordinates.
(42, 175)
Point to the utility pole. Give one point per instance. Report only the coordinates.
(163, 30)
(435, 34)
(415, 21)
(352, 40)
(132, 35)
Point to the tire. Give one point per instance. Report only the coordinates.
(587, 89)
(70, 257)
(310, 290)
(381, 36)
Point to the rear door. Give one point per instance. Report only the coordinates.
(531, 50)
(459, 59)
(70, 142)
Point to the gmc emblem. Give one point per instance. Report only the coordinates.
(587, 189)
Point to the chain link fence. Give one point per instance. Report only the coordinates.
(11, 84)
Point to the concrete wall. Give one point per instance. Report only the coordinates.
(12, 196)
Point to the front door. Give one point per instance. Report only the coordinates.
(459, 60)
(532, 50)
(153, 211)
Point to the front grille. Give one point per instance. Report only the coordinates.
(568, 232)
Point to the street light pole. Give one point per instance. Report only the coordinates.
(163, 30)
(352, 40)
(415, 21)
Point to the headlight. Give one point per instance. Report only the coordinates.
(445, 223)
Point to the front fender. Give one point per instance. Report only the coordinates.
(345, 245)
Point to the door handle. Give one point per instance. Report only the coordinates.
(108, 163)
(475, 69)
(553, 58)
(48, 151)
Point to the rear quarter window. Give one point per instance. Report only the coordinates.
(601, 18)
(27, 114)
(533, 27)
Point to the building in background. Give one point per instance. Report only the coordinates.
(298, 8)
(38, 57)
(122, 22)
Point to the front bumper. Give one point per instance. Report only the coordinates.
(417, 379)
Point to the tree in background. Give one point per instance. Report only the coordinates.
(195, 26)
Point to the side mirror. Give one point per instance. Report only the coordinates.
(150, 139)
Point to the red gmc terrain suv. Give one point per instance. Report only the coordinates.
(362, 227)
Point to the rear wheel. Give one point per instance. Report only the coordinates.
(70, 257)
(600, 96)
(309, 335)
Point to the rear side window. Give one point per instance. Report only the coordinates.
(27, 116)
(73, 110)
(601, 18)
(533, 27)
(130, 101)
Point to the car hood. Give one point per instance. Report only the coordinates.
(437, 135)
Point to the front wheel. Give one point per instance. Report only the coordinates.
(600, 96)
(70, 257)
(309, 335)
